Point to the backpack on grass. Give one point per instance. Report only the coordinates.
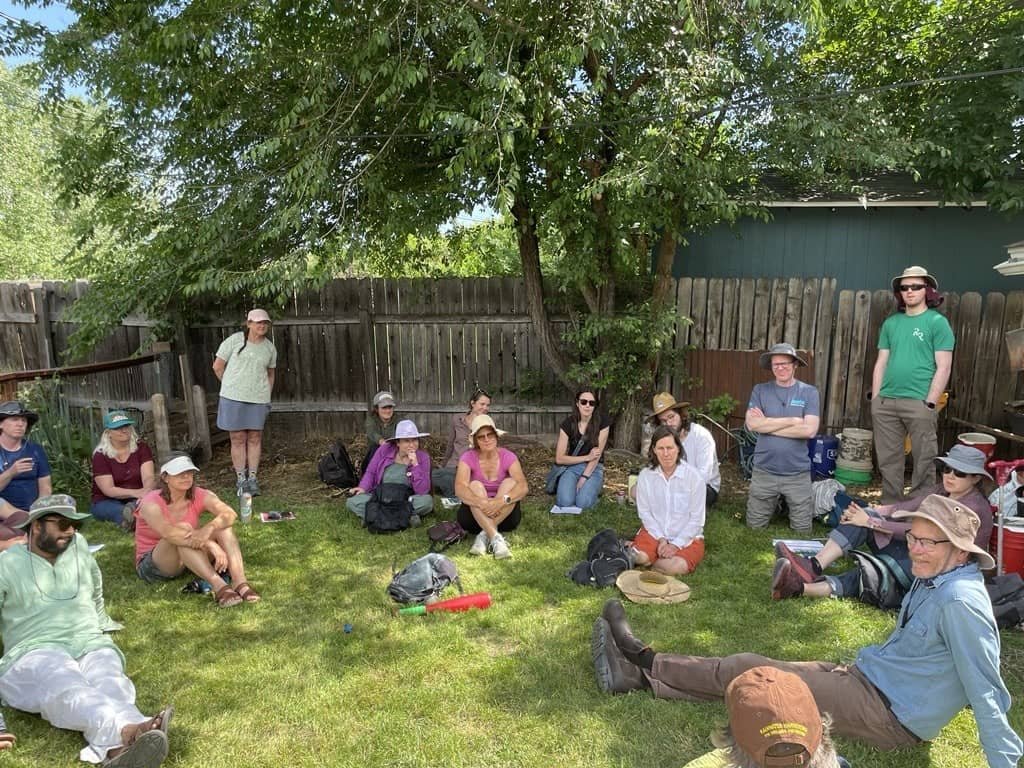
(882, 582)
(424, 580)
(336, 468)
(389, 509)
(606, 559)
(445, 533)
(1007, 595)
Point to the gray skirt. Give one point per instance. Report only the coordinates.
(235, 416)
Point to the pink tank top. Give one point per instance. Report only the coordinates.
(505, 460)
(146, 538)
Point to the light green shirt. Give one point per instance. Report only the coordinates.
(245, 376)
(59, 605)
(719, 758)
(912, 343)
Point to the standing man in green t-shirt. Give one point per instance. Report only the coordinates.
(915, 355)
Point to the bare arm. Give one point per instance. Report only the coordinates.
(177, 535)
(106, 484)
(218, 368)
(270, 378)
(45, 486)
(595, 455)
(878, 373)
(522, 487)
(943, 367)
(462, 489)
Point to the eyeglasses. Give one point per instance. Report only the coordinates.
(63, 524)
(946, 470)
(927, 545)
(585, 401)
(912, 287)
(782, 365)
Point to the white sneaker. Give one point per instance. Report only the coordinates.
(499, 548)
(479, 544)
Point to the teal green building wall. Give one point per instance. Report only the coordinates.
(861, 248)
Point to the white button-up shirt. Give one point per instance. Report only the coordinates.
(672, 508)
(702, 455)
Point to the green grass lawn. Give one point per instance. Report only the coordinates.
(279, 684)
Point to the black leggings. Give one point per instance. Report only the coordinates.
(469, 523)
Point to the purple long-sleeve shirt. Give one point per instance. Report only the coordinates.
(419, 476)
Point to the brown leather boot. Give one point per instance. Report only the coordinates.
(615, 615)
(615, 673)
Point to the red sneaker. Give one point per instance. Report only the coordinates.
(803, 566)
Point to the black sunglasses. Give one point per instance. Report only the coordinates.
(63, 524)
(946, 470)
(584, 401)
(913, 287)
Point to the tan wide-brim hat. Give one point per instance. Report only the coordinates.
(920, 272)
(663, 401)
(958, 521)
(652, 587)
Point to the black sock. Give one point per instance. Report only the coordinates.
(644, 659)
(816, 566)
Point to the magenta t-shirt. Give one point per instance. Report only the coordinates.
(146, 538)
(505, 460)
(126, 475)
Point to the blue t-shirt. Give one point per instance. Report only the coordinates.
(24, 488)
(783, 455)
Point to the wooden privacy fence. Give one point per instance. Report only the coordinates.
(432, 342)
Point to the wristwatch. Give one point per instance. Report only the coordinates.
(508, 499)
(929, 405)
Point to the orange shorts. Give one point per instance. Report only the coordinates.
(647, 544)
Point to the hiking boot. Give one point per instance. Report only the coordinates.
(802, 566)
(252, 486)
(479, 544)
(786, 582)
(147, 751)
(499, 547)
(615, 615)
(614, 672)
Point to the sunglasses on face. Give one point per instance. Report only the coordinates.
(585, 401)
(912, 287)
(946, 470)
(63, 524)
(486, 435)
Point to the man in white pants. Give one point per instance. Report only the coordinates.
(59, 660)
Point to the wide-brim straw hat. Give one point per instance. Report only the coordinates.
(652, 587)
(919, 272)
(966, 459)
(664, 401)
(406, 429)
(957, 521)
(781, 349)
(481, 421)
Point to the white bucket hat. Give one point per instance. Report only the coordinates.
(406, 429)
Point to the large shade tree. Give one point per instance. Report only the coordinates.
(262, 134)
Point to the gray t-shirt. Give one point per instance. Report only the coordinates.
(783, 455)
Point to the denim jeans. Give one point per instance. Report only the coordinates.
(108, 509)
(847, 584)
(566, 494)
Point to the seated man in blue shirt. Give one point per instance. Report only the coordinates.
(942, 656)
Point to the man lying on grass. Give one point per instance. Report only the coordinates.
(942, 656)
(58, 657)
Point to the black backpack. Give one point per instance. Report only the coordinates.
(442, 535)
(389, 509)
(606, 559)
(882, 582)
(1007, 595)
(336, 468)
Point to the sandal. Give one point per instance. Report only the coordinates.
(247, 593)
(227, 597)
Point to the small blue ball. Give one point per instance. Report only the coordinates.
(347, 628)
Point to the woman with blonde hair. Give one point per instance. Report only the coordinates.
(122, 471)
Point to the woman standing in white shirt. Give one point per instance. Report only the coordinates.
(670, 499)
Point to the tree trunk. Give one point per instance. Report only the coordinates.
(529, 255)
(627, 426)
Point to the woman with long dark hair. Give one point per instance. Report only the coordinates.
(245, 365)
(580, 452)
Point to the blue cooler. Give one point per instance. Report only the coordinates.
(823, 451)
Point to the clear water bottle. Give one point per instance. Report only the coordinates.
(245, 507)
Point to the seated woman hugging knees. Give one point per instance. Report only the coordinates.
(169, 539)
(398, 460)
(490, 482)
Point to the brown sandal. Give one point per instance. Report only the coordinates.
(247, 593)
(227, 597)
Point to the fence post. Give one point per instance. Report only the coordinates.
(201, 423)
(161, 427)
(43, 339)
(370, 369)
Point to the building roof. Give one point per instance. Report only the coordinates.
(888, 188)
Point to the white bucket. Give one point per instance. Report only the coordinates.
(855, 449)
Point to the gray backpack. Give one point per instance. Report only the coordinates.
(424, 579)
